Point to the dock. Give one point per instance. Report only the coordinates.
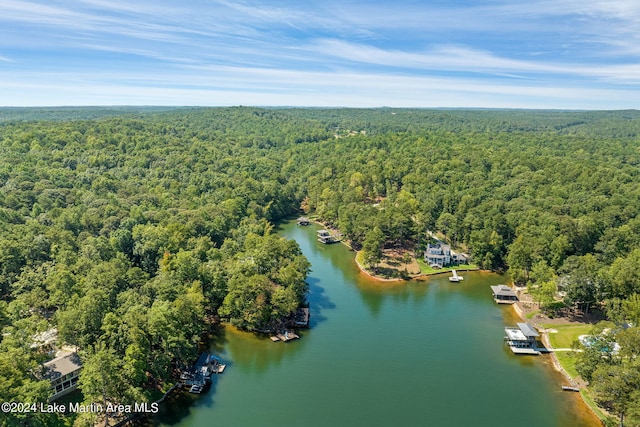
(454, 277)
(301, 317)
(503, 294)
(284, 336)
(568, 388)
(522, 339)
(325, 237)
(303, 221)
(198, 376)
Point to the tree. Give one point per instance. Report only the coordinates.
(372, 247)
(615, 387)
(447, 223)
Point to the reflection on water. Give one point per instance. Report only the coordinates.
(379, 354)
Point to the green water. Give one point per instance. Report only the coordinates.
(379, 354)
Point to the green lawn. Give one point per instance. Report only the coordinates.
(567, 334)
(531, 314)
(426, 269)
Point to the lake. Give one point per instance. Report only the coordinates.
(381, 354)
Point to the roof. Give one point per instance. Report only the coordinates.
(515, 334)
(61, 366)
(503, 290)
(528, 330)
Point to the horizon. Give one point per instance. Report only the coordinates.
(534, 55)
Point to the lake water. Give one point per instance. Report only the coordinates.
(427, 353)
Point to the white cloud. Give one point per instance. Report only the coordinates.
(251, 86)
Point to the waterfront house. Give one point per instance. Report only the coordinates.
(438, 254)
(522, 339)
(63, 373)
(503, 294)
(459, 258)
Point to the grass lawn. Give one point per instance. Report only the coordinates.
(531, 314)
(567, 334)
(565, 338)
(567, 360)
(426, 269)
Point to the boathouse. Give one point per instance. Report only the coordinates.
(301, 318)
(503, 294)
(63, 373)
(522, 339)
(199, 375)
(303, 221)
(325, 237)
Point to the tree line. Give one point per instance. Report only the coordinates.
(127, 230)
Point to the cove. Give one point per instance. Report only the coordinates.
(381, 354)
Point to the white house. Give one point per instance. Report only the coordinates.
(438, 254)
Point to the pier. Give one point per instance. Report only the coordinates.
(503, 294)
(284, 336)
(454, 277)
(522, 339)
(325, 237)
(198, 376)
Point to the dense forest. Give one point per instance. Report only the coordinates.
(129, 230)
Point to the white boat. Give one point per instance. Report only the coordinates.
(455, 277)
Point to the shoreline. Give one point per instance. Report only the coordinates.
(420, 276)
(554, 360)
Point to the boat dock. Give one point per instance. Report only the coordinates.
(454, 277)
(325, 237)
(522, 339)
(503, 294)
(198, 376)
(284, 336)
(301, 317)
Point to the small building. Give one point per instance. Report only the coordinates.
(438, 255)
(303, 221)
(503, 294)
(301, 318)
(63, 373)
(523, 339)
(325, 237)
(459, 258)
(200, 373)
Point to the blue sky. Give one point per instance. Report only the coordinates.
(575, 54)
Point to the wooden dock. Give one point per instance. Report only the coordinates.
(284, 336)
(198, 376)
(325, 237)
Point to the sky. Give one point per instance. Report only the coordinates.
(562, 54)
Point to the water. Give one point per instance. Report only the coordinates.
(381, 354)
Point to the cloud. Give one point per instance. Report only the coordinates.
(467, 60)
(222, 85)
(421, 53)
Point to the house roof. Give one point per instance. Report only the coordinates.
(528, 330)
(61, 366)
(503, 291)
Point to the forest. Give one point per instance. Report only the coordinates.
(132, 230)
